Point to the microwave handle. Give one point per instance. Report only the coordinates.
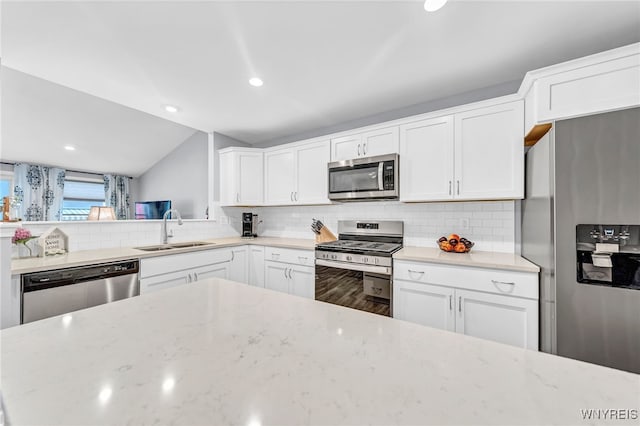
(380, 176)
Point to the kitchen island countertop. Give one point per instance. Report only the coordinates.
(219, 352)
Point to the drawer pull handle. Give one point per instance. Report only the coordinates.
(420, 273)
(497, 284)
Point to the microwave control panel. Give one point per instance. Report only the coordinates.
(388, 174)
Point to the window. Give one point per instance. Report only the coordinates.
(79, 196)
(6, 184)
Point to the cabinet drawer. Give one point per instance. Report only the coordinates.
(510, 283)
(178, 262)
(292, 256)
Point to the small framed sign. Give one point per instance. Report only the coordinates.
(53, 241)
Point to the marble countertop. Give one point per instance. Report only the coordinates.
(87, 257)
(479, 259)
(218, 352)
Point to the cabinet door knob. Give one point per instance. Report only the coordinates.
(460, 304)
(450, 302)
(237, 197)
(458, 183)
(291, 196)
(233, 255)
(358, 150)
(364, 149)
(195, 274)
(449, 187)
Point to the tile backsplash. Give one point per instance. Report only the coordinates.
(491, 225)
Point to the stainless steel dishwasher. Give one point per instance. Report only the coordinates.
(57, 292)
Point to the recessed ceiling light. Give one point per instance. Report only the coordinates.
(256, 82)
(70, 147)
(433, 5)
(171, 108)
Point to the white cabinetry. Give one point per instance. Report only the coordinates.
(256, 266)
(241, 177)
(238, 264)
(426, 160)
(594, 84)
(158, 273)
(489, 153)
(471, 155)
(290, 271)
(297, 175)
(490, 304)
(365, 144)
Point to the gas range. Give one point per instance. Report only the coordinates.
(363, 246)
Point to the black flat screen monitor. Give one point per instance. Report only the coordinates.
(152, 209)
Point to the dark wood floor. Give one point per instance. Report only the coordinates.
(344, 288)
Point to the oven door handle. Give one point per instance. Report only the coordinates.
(380, 176)
(383, 270)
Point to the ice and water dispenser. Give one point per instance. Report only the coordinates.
(608, 255)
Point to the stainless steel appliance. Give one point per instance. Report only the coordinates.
(586, 171)
(364, 178)
(249, 225)
(57, 292)
(355, 271)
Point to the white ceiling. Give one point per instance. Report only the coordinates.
(39, 118)
(323, 63)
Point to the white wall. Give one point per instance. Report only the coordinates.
(180, 177)
(491, 224)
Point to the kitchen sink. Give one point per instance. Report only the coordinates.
(161, 247)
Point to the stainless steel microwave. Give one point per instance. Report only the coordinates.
(364, 178)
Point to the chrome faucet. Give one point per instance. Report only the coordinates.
(165, 236)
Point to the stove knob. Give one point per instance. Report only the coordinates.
(349, 258)
(333, 256)
(377, 261)
(365, 259)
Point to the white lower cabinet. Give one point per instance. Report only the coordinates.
(256, 266)
(425, 304)
(275, 276)
(158, 273)
(289, 278)
(490, 304)
(290, 271)
(503, 319)
(238, 264)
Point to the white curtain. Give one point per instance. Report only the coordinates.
(39, 190)
(116, 192)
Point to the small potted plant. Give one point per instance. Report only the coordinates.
(23, 236)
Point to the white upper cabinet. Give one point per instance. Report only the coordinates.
(279, 176)
(594, 84)
(489, 153)
(297, 175)
(426, 160)
(471, 155)
(311, 173)
(365, 144)
(241, 177)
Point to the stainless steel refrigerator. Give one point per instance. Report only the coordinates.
(586, 171)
